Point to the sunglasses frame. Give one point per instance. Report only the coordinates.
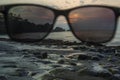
(57, 13)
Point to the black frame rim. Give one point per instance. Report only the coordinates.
(116, 14)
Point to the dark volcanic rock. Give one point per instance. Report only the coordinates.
(73, 64)
(84, 57)
(33, 73)
(41, 55)
(95, 58)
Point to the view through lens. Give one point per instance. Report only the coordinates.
(93, 24)
(30, 22)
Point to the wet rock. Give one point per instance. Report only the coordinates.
(117, 54)
(58, 79)
(103, 74)
(93, 50)
(47, 77)
(98, 70)
(73, 64)
(41, 55)
(55, 65)
(45, 62)
(101, 55)
(82, 48)
(116, 77)
(81, 56)
(3, 78)
(84, 57)
(67, 74)
(64, 73)
(33, 73)
(61, 56)
(112, 59)
(10, 66)
(114, 70)
(96, 58)
(20, 78)
(61, 61)
(22, 72)
(106, 50)
(4, 46)
(88, 57)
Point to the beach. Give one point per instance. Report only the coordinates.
(60, 56)
(35, 61)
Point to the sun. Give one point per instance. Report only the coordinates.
(74, 17)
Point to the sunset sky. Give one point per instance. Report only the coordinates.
(64, 4)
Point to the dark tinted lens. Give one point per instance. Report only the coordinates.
(29, 22)
(93, 24)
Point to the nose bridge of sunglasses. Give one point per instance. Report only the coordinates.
(61, 31)
(62, 23)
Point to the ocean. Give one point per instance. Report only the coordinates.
(68, 36)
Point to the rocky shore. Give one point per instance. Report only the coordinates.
(20, 61)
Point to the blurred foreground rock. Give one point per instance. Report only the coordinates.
(30, 62)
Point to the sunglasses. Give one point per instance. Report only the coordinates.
(32, 23)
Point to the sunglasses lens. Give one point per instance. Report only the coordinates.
(29, 23)
(93, 24)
